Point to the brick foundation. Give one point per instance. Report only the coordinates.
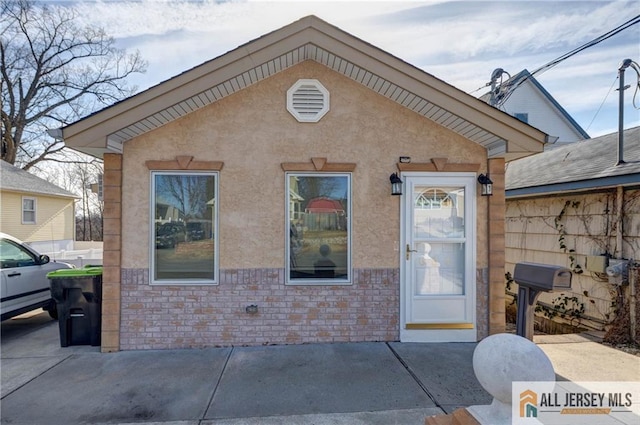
(163, 317)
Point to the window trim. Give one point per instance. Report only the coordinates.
(215, 223)
(318, 282)
(34, 211)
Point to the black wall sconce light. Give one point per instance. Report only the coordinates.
(486, 184)
(396, 184)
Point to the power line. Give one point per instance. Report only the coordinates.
(593, 42)
(602, 104)
(510, 87)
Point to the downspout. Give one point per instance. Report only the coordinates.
(634, 279)
(619, 211)
(633, 271)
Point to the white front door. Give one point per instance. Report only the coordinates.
(438, 257)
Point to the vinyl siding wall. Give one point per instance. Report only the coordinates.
(54, 218)
(589, 223)
(542, 113)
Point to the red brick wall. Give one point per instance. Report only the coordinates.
(161, 317)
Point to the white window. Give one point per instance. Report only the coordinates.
(28, 210)
(522, 116)
(318, 228)
(184, 234)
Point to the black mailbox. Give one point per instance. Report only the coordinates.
(542, 277)
(532, 280)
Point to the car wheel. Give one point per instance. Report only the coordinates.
(53, 311)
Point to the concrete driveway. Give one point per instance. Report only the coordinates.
(346, 383)
(43, 383)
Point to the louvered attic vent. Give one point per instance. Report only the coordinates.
(308, 100)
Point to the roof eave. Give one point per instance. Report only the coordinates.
(627, 180)
(91, 134)
(40, 193)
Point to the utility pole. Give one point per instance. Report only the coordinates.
(623, 66)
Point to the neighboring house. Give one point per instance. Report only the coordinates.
(523, 97)
(36, 211)
(245, 142)
(575, 207)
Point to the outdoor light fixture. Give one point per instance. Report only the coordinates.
(396, 184)
(487, 185)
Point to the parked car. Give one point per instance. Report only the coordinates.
(195, 231)
(168, 235)
(23, 276)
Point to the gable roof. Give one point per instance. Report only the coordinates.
(15, 179)
(583, 165)
(525, 76)
(309, 38)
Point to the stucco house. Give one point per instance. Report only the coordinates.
(35, 210)
(526, 99)
(245, 142)
(578, 206)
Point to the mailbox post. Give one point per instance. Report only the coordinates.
(532, 280)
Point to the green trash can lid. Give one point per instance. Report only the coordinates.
(88, 271)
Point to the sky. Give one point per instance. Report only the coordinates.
(460, 43)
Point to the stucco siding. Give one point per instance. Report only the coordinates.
(252, 132)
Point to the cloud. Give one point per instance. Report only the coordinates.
(458, 42)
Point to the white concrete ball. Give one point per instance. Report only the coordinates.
(501, 359)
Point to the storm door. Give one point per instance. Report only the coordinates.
(438, 257)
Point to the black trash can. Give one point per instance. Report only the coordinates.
(78, 295)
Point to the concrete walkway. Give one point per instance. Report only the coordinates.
(580, 357)
(352, 383)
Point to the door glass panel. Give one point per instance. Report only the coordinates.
(438, 212)
(439, 269)
(439, 240)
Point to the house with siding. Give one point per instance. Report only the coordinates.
(285, 147)
(35, 210)
(523, 97)
(578, 206)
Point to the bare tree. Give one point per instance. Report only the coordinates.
(89, 211)
(53, 71)
(82, 179)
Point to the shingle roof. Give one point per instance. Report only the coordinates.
(579, 165)
(17, 180)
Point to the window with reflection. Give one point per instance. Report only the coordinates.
(184, 230)
(439, 237)
(319, 228)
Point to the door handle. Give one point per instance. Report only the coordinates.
(409, 251)
(14, 274)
